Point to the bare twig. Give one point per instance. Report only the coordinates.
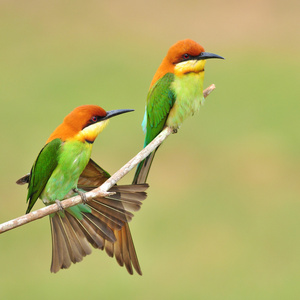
(101, 191)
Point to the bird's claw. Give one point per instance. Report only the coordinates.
(174, 130)
(82, 195)
(60, 207)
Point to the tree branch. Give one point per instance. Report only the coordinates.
(101, 191)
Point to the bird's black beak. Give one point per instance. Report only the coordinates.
(207, 55)
(112, 113)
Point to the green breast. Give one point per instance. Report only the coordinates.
(188, 91)
(73, 158)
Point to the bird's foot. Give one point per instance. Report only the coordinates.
(60, 207)
(82, 195)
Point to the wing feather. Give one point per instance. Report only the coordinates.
(159, 103)
(41, 171)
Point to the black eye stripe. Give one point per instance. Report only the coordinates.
(93, 120)
(187, 56)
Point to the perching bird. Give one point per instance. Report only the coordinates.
(54, 176)
(176, 92)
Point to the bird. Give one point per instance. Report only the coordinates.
(175, 93)
(63, 169)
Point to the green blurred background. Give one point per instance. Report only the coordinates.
(222, 217)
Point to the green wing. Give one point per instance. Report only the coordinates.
(159, 103)
(160, 100)
(41, 171)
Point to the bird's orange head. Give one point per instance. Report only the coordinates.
(84, 123)
(184, 57)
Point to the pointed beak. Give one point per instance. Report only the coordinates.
(207, 55)
(112, 113)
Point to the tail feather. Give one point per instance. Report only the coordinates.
(124, 251)
(125, 205)
(133, 255)
(62, 251)
(110, 211)
(100, 227)
(57, 259)
(118, 248)
(110, 207)
(140, 178)
(104, 227)
(130, 250)
(109, 247)
(73, 245)
(143, 169)
(139, 189)
(94, 238)
(112, 221)
(80, 235)
(24, 179)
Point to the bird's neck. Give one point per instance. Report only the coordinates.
(89, 133)
(164, 68)
(189, 66)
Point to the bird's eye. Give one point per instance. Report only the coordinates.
(94, 119)
(186, 56)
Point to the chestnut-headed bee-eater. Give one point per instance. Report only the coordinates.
(176, 92)
(60, 171)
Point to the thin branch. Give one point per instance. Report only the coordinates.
(101, 191)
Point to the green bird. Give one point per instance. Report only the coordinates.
(176, 92)
(60, 171)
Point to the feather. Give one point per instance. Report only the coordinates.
(104, 227)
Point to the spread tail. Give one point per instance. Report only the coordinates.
(105, 227)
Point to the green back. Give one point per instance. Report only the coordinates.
(159, 103)
(41, 171)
